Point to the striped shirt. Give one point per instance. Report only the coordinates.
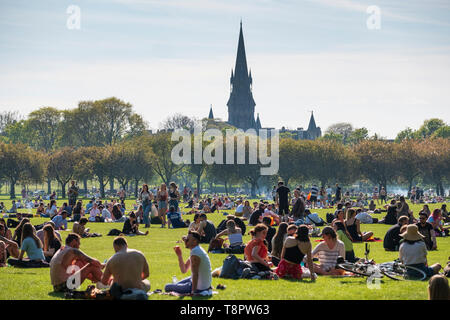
(328, 257)
(314, 191)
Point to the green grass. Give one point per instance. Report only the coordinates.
(34, 284)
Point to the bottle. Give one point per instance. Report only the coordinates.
(174, 279)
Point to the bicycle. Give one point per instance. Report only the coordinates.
(394, 270)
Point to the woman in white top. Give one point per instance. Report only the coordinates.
(328, 252)
(234, 234)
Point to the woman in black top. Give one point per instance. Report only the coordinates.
(77, 211)
(131, 227)
(294, 250)
(18, 233)
(353, 227)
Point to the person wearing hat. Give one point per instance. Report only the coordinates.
(413, 251)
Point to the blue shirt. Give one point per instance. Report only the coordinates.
(175, 219)
(59, 221)
(30, 247)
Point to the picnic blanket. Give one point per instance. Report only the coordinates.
(371, 239)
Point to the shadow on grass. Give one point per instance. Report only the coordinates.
(56, 294)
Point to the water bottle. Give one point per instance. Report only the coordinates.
(174, 279)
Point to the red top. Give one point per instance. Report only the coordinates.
(262, 252)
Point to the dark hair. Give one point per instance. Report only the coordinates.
(202, 215)
(302, 233)
(339, 225)
(132, 215)
(278, 239)
(196, 216)
(71, 237)
(64, 212)
(83, 220)
(172, 209)
(196, 235)
(120, 242)
(267, 220)
(329, 231)
(258, 228)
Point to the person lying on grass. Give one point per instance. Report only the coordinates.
(294, 250)
(126, 269)
(70, 254)
(61, 221)
(328, 252)
(199, 263)
(32, 246)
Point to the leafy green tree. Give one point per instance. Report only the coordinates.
(442, 132)
(406, 134)
(62, 166)
(429, 127)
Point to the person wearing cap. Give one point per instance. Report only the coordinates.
(413, 251)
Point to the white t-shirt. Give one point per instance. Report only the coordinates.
(240, 208)
(413, 253)
(328, 257)
(364, 217)
(106, 214)
(204, 271)
(93, 213)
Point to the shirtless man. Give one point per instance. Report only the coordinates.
(71, 254)
(127, 268)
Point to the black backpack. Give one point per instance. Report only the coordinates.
(330, 217)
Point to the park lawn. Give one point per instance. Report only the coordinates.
(34, 284)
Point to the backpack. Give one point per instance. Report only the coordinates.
(330, 217)
(114, 232)
(230, 268)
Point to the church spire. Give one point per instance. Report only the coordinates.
(312, 123)
(210, 116)
(258, 123)
(240, 70)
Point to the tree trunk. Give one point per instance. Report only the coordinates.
(136, 188)
(226, 188)
(63, 189)
(49, 186)
(199, 190)
(12, 192)
(111, 184)
(253, 189)
(85, 185)
(441, 187)
(102, 188)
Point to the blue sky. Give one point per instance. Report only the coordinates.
(167, 56)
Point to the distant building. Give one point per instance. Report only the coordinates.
(241, 105)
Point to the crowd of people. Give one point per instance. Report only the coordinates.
(272, 253)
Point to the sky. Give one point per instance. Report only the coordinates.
(176, 56)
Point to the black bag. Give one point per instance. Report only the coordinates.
(330, 217)
(114, 232)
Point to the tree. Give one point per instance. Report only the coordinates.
(8, 118)
(410, 160)
(406, 134)
(62, 166)
(377, 161)
(442, 132)
(342, 128)
(19, 163)
(437, 162)
(358, 135)
(178, 121)
(100, 164)
(429, 127)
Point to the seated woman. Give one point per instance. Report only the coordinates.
(117, 214)
(40, 211)
(32, 246)
(445, 214)
(328, 252)
(11, 247)
(51, 242)
(342, 235)
(353, 227)
(435, 219)
(234, 236)
(195, 224)
(247, 210)
(131, 227)
(269, 213)
(256, 251)
(292, 254)
(340, 217)
(413, 252)
(277, 243)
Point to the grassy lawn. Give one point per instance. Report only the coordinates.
(34, 284)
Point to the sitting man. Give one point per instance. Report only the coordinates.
(206, 229)
(69, 255)
(200, 266)
(126, 269)
(80, 229)
(175, 219)
(60, 221)
(392, 238)
(426, 229)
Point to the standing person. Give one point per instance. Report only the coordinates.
(69, 255)
(199, 263)
(256, 251)
(328, 251)
(174, 196)
(323, 196)
(146, 197)
(282, 199)
(354, 227)
(329, 191)
(32, 246)
(246, 210)
(338, 194)
(292, 254)
(314, 192)
(162, 198)
(375, 195)
(122, 195)
(72, 194)
(126, 269)
(383, 195)
(413, 252)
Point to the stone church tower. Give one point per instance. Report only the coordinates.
(241, 106)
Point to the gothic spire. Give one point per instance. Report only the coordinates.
(312, 123)
(240, 70)
(210, 116)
